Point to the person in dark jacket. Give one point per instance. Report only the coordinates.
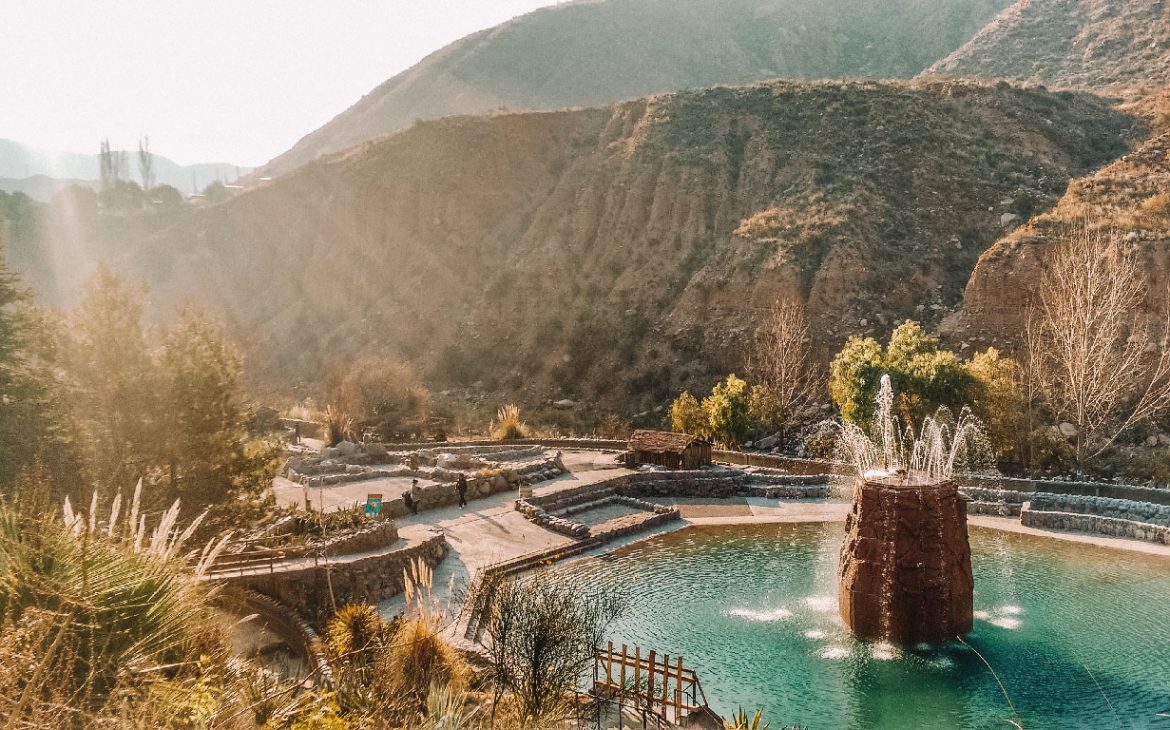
(461, 489)
(408, 497)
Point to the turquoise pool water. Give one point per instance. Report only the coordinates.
(1078, 635)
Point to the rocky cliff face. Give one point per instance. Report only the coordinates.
(625, 49)
(1122, 45)
(1130, 195)
(625, 252)
(906, 564)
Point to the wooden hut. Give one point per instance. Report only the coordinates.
(672, 450)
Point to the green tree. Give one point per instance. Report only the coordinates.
(146, 164)
(728, 411)
(999, 401)
(113, 384)
(854, 377)
(206, 450)
(924, 376)
(216, 192)
(165, 197)
(172, 416)
(34, 430)
(686, 415)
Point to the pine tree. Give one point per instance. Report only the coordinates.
(34, 430)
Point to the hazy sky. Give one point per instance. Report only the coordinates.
(210, 80)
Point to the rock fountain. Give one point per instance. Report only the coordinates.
(905, 570)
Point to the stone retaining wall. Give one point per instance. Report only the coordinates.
(995, 509)
(372, 537)
(1110, 526)
(588, 444)
(634, 525)
(1124, 509)
(280, 620)
(313, 591)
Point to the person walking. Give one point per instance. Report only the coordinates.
(409, 499)
(461, 488)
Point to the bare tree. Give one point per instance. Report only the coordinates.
(780, 366)
(540, 635)
(146, 164)
(1102, 365)
(109, 163)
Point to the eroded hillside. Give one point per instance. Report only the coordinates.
(622, 253)
(1130, 196)
(1122, 45)
(625, 49)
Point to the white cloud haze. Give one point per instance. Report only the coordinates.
(214, 80)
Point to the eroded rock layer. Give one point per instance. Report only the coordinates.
(906, 563)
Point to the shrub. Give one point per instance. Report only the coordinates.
(417, 657)
(382, 394)
(686, 416)
(613, 426)
(508, 425)
(728, 411)
(338, 426)
(93, 611)
(1158, 208)
(540, 636)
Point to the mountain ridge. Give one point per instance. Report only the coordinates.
(627, 251)
(1105, 45)
(628, 49)
(22, 165)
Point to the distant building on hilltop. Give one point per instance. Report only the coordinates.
(672, 450)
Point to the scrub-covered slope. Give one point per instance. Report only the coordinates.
(622, 252)
(590, 53)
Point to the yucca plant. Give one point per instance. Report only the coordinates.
(508, 425)
(338, 426)
(446, 709)
(125, 603)
(739, 721)
(418, 657)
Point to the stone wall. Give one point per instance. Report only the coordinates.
(371, 537)
(1110, 526)
(905, 570)
(280, 620)
(313, 591)
(995, 509)
(591, 444)
(1123, 509)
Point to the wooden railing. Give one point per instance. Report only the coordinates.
(660, 684)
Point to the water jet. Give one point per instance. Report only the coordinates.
(905, 565)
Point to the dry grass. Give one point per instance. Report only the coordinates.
(508, 425)
(1157, 208)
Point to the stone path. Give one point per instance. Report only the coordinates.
(489, 530)
(1012, 524)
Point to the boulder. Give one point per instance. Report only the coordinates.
(564, 404)
(1068, 430)
(768, 442)
(376, 450)
(347, 448)
(1008, 218)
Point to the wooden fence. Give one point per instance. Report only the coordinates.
(660, 684)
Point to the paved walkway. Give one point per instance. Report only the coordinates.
(489, 530)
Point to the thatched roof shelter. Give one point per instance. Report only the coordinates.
(669, 449)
